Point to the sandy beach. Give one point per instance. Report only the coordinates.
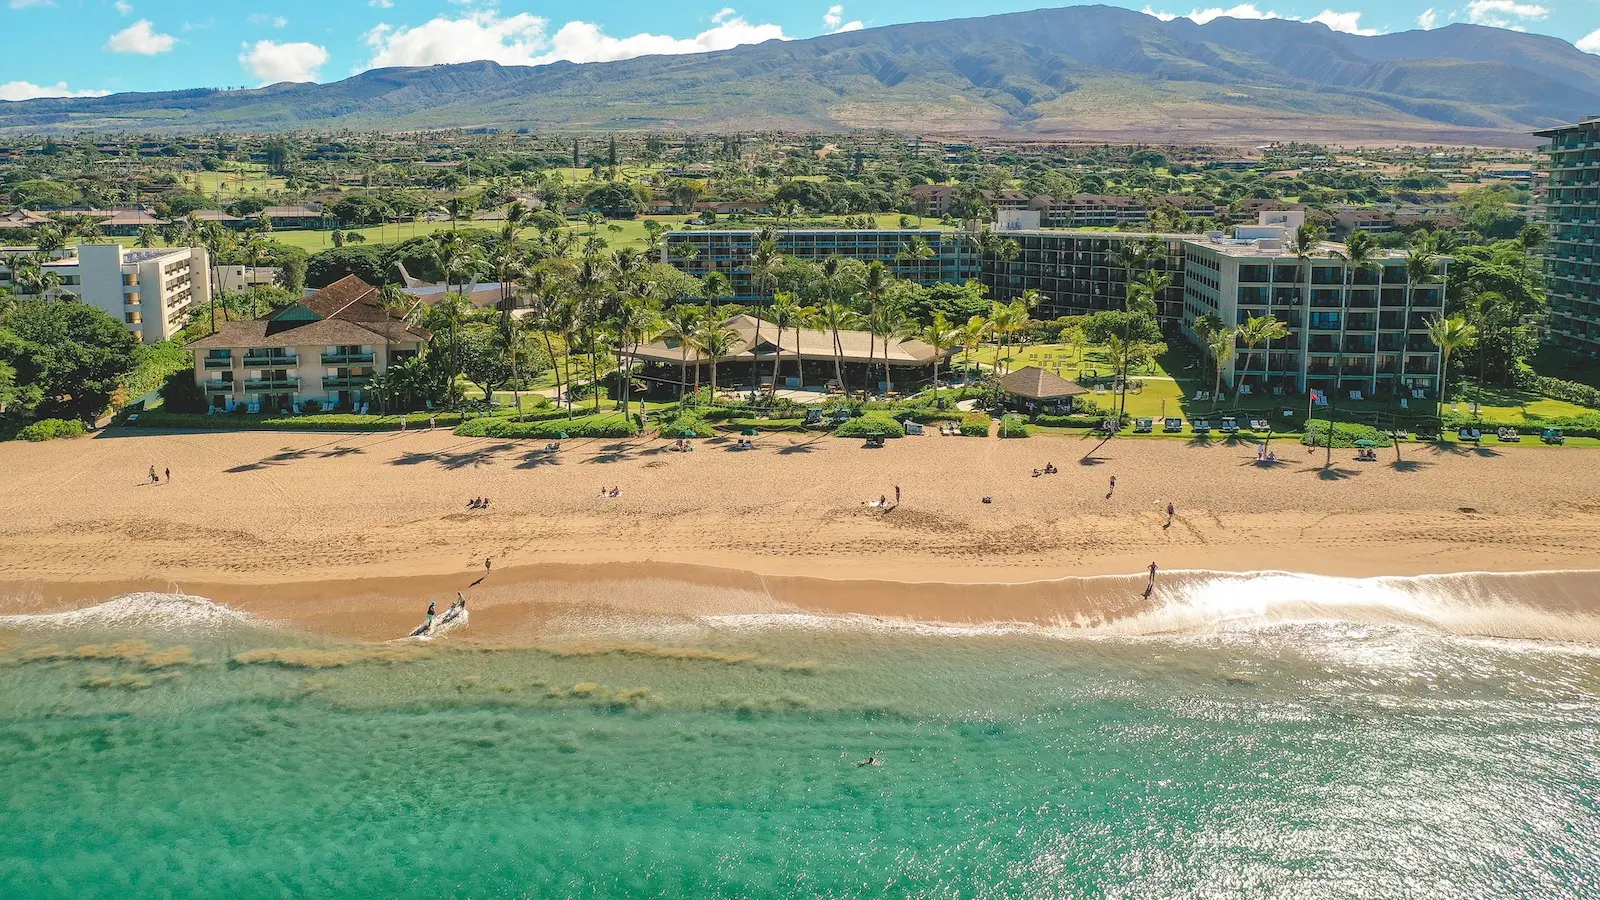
(333, 524)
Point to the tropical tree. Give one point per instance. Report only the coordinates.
(680, 323)
(1006, 319)
(1143, 293)
(874, 284)
(636, 322)
(1220, 343)
(1422, 263)
(715, 340)
(972, 335)
(1449, 335)
(1258, 329)
(787, 312)
(941, 336)
(1360, 254)
(1305, 243)
(836, 316)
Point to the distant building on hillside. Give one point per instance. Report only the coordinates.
(1572, 250)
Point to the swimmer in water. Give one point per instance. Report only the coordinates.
(869, 761)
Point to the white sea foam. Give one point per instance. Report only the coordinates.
(147, 610)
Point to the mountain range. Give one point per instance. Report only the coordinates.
(1074, 73)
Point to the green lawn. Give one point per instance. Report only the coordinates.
(233, 184)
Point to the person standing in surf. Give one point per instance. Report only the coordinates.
(1150, 587)
(432, 609)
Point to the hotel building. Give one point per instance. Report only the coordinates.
(325, 348)
(149, 291)
(1572, 249)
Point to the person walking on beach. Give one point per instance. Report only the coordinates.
(1170, 512)
(1113, 489)
(897, 495)
(153, 476)
(433, 608)
(169, 475)
(1150, 587)
(487, 565)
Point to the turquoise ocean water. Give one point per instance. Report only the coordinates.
(159, 747)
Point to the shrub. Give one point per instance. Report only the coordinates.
(180, 394)
(1072, 421)
(242, 420)
(675, 425)
(1345, 434)
(1561, 389)
(870, 423)
(50, 429)
(975, 425)
(603, 426)
(1013, 426)
(310, 406)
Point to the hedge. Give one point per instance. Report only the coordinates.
(674, 426)
(1345, 435)
(1075, 421)
(1561, 389)
(1571, 426)
(975, 425)
(1013, 426)
(602, 426)
(871, 423)
(49, 429)
(159, 418)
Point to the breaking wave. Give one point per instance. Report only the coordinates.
(144, 611)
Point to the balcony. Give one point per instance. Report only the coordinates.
(269, 362)
(220, 387)
(272, 386)
(224, 362)
(345, 383)
(347, 359)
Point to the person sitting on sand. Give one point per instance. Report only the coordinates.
(616, 491)
(1050, 469)
(1037, 473)
(988, 499)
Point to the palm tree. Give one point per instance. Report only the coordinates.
(635, 323)
(1220, 343)
(941, 336)
(1004, 320)
(988, 243)
(681, 323)
(916, 252)
(1256, 330)
(1142, 296)
(715, 340)
(1449, 335)
(786, 313)
(715, 286)
(1305, 243)
(148, 237)
(1422, 263)
(1360, 252)
(876, 281)
(889, 321)
(764, 261)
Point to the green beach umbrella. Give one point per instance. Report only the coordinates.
(1366, 443)
(561, 434)
(687, 432)
(749, 432)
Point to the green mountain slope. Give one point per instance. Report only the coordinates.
(1090, 72)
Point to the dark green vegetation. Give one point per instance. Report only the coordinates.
(1090, 71)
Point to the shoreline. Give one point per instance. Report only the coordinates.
(328, 530)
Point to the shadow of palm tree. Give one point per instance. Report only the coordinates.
(1334, 473)
(342, 451)
(480, 456)
(1409, 465)
(535, 459)
(1200, 440)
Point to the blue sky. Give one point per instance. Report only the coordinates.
(61, 47)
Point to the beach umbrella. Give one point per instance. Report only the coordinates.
(1366, 443)
(561, 435)
(687, 432)
(749, 432)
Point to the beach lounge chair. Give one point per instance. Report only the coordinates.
(1260, 425)
(1143, 426)
(1552, 436)
(1171, 425)
(1230, 425)
(1244, 390)
(813, 417)
(363, 409)
(1355, 395)
(1469, 435)
(1508, 435)
(913, 427)
(1201, 426)
(1202, 396)
(874, 441)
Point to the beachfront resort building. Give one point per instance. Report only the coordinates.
(807, 359)
(149, 291)
(325, 348)
(1572, 249)
(1361, 331)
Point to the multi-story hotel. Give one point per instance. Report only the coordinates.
(1351, 328)
(1368, 335)
(728, 252)
(1572, 250)
(325, 348)
(149, 291)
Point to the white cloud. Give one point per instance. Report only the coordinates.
(1500, 13)
(381, 4)
(833, 20)
(26, 90)
(1591, 42)
(1348, 22)
(723, 15)
(24, 4)
(123, 7)
(1338, 21)
(266, 19)
(524, 39)
(1428, 19)
(140, 38)
(273, 62)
